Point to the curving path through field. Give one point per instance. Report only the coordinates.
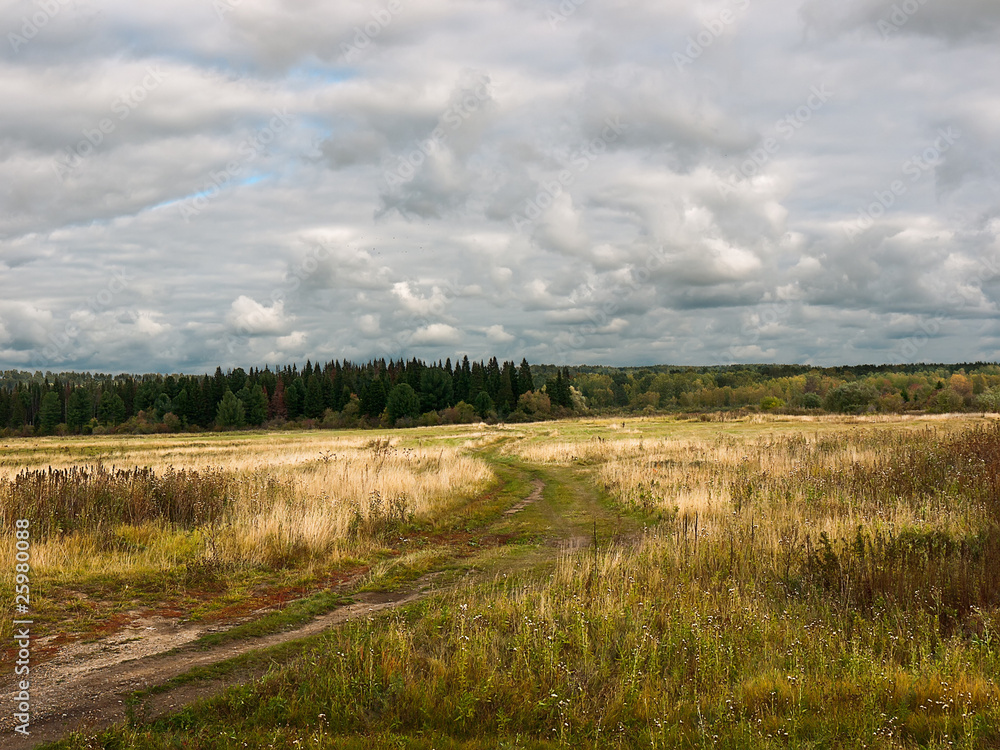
(89, 689)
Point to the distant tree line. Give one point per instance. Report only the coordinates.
(793, 388)
(407, 393)
(337, 394)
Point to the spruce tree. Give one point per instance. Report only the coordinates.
(313, 406)
(436, 389)
(79, 409)
(5, 403)
(19, 409)
(484, 405)
(50, 414)
(493, 378)
(506, 394)
(215, 393)
(340, 395)
(525, 382)
(461, 381)
(255, 403)
(231, 413)
(111, 410)
(182, 406)
(162, 405)
(373, 397)
(295, 398)
(477, 379)
(402, 402)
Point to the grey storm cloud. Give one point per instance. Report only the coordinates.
(223, 182)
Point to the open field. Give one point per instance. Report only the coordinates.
(772, 582)
(199, 524)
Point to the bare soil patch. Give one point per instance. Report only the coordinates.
(86, 685)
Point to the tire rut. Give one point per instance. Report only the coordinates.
(95, 698)
(91, 695)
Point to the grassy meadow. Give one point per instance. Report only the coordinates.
(783, 582)
(202, 523)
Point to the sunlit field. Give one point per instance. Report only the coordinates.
(791, 582)
(226, 512)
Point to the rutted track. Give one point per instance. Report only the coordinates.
(535, 495)
(95, 695)
(91, 691)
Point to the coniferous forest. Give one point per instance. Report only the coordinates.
(342, 394)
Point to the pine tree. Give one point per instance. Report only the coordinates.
(461, 381)
(525, 382)
(313, 405)
(374, 397)
(254, 402)
(215, 393)
(231, 413)
(295, 398)
(484, 405)
(50, 414)
(162, 406)
(414, 371)
(340, 394)
(182, 406)
(506, 395)
(402, 402)
(19, 410)
(477, 380)
(436, 389)
(558, 391)
(5, 406)
(79, 409)
(111, 410)
(493, 378)
(568, 381)
(237, 379)
(326, 386)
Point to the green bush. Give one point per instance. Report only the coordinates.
(851, 398)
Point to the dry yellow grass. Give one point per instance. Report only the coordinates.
(302, 501)
(726, 474)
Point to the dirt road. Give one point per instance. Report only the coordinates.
(87, 686)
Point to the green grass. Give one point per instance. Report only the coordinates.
(294, 614)
(843, 591)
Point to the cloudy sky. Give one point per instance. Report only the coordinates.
(201, 182)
